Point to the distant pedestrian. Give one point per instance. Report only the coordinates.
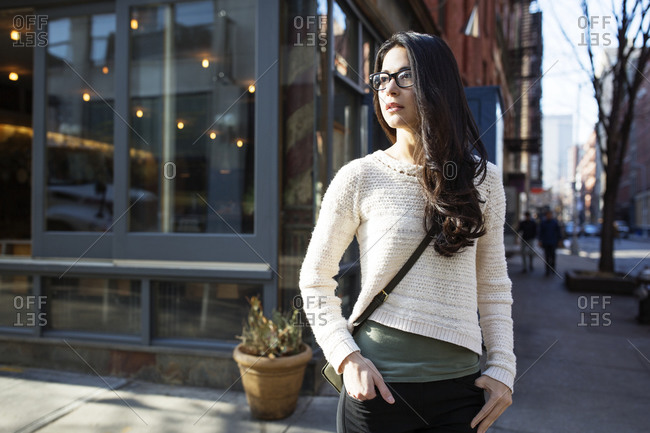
(550, 235)
(528, 231)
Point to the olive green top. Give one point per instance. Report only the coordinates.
(402, 356)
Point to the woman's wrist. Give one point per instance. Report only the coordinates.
(351, 357)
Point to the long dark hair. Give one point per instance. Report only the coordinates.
(449, 146)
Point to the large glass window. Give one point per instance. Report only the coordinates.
(368, 59)
(79, 123)
(345, 42)
(93, 305)
(200, 310)
(191, 102)
(345, 137)
(16, 133)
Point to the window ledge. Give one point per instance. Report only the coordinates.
(136, 268)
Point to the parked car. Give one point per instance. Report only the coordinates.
(592, 230)
(622, 229)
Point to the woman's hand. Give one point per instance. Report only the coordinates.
(499, 400)
(360, 377)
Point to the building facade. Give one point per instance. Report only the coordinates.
(588, 182)
(558, 144)
(633, 199)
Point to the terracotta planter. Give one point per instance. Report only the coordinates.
(272, 385)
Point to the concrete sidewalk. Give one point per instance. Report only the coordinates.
(50, 401)
(582, 367)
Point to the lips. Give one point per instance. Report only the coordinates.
(392, 107)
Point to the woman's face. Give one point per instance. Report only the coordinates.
(398, 104)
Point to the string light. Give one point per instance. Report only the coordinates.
(13, 76)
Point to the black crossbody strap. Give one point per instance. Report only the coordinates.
(383, 295)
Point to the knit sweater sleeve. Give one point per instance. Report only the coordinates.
(494, 286)
(336, 226)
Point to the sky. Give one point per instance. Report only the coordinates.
(566, 88)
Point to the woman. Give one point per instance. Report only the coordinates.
(414, 365)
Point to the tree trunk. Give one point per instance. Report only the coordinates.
(606, 263)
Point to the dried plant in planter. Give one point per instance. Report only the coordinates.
(280, 336)
(272, 360)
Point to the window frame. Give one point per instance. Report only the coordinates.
(259, 247)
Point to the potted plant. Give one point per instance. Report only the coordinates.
(272, 359)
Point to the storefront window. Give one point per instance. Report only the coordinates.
(368, 59)
(345, 137)
(79, 123)
(92, 305)
(16, 92)
(200, 310)
(302, 112)
(192, 98)
(345, 43)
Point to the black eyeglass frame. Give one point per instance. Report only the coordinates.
(390, 76)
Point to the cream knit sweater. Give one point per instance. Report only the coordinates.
(379, 200)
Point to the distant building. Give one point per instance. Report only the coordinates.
(634, 191)
(589, 185)
(557, 142)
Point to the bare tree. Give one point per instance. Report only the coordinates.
(616, 86)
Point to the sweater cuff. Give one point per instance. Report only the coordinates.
(341, 351)
(502, 375)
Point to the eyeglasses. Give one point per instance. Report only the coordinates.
(380, 80)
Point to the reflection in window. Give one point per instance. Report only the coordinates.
(93, 305)
(368, 59)
(79, 121)
(200, 310)
(345, 43)
(192, 95)
(345, 138)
